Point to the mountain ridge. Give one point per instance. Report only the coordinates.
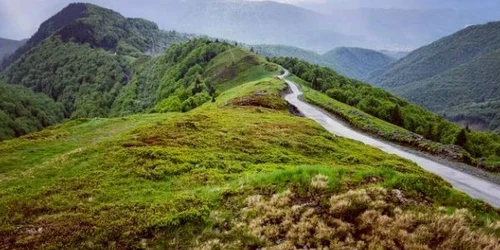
(9, 46)
(429, 75)
(350, 61)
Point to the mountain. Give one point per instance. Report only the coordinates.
(453, 76)
(395, 54)
(8, 46)
(352, 62)
(357, 62)
(97, 64)
(83, 56)
(98, 27)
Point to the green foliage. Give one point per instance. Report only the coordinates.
(171, 104)
(83, 79)
(461, 138)
(396, 117)
(450, 76)
(22, 111)
(92, 82)
(390, 108)
(189, 73)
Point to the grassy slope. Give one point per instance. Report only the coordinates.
(182, 180)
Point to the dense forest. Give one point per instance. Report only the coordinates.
(22, 111)
(452, 76)
(390, 108)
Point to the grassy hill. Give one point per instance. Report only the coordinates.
(8, 46)
(240, 172)
(458, 72)
(352, 62)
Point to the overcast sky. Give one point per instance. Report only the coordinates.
(20, 18)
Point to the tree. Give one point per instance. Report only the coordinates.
(251, 49)
(396, 117)
(461, 138)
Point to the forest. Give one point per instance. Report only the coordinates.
(22, 111)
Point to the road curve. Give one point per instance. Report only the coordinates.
(473, 186)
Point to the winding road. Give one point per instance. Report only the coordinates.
(473, 186)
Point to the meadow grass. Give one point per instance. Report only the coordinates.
(181, 181)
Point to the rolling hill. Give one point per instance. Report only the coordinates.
(452, 76)
(352, 62)
(8, 46)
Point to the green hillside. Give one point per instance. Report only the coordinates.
(453, 76)
(8, 46)
(459, 91)
(356, 62)
(90, 56)
(237, 173)
(22, 111)
(352, 62)
(481, 148)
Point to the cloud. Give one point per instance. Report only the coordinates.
(295, 2)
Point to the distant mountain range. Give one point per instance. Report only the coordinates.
(267, 22)
(352, 62)
(457, 76)
(8, 46)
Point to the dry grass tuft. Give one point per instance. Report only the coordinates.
(319, 182)
(359, 219)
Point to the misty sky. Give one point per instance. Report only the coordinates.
(20, 18)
